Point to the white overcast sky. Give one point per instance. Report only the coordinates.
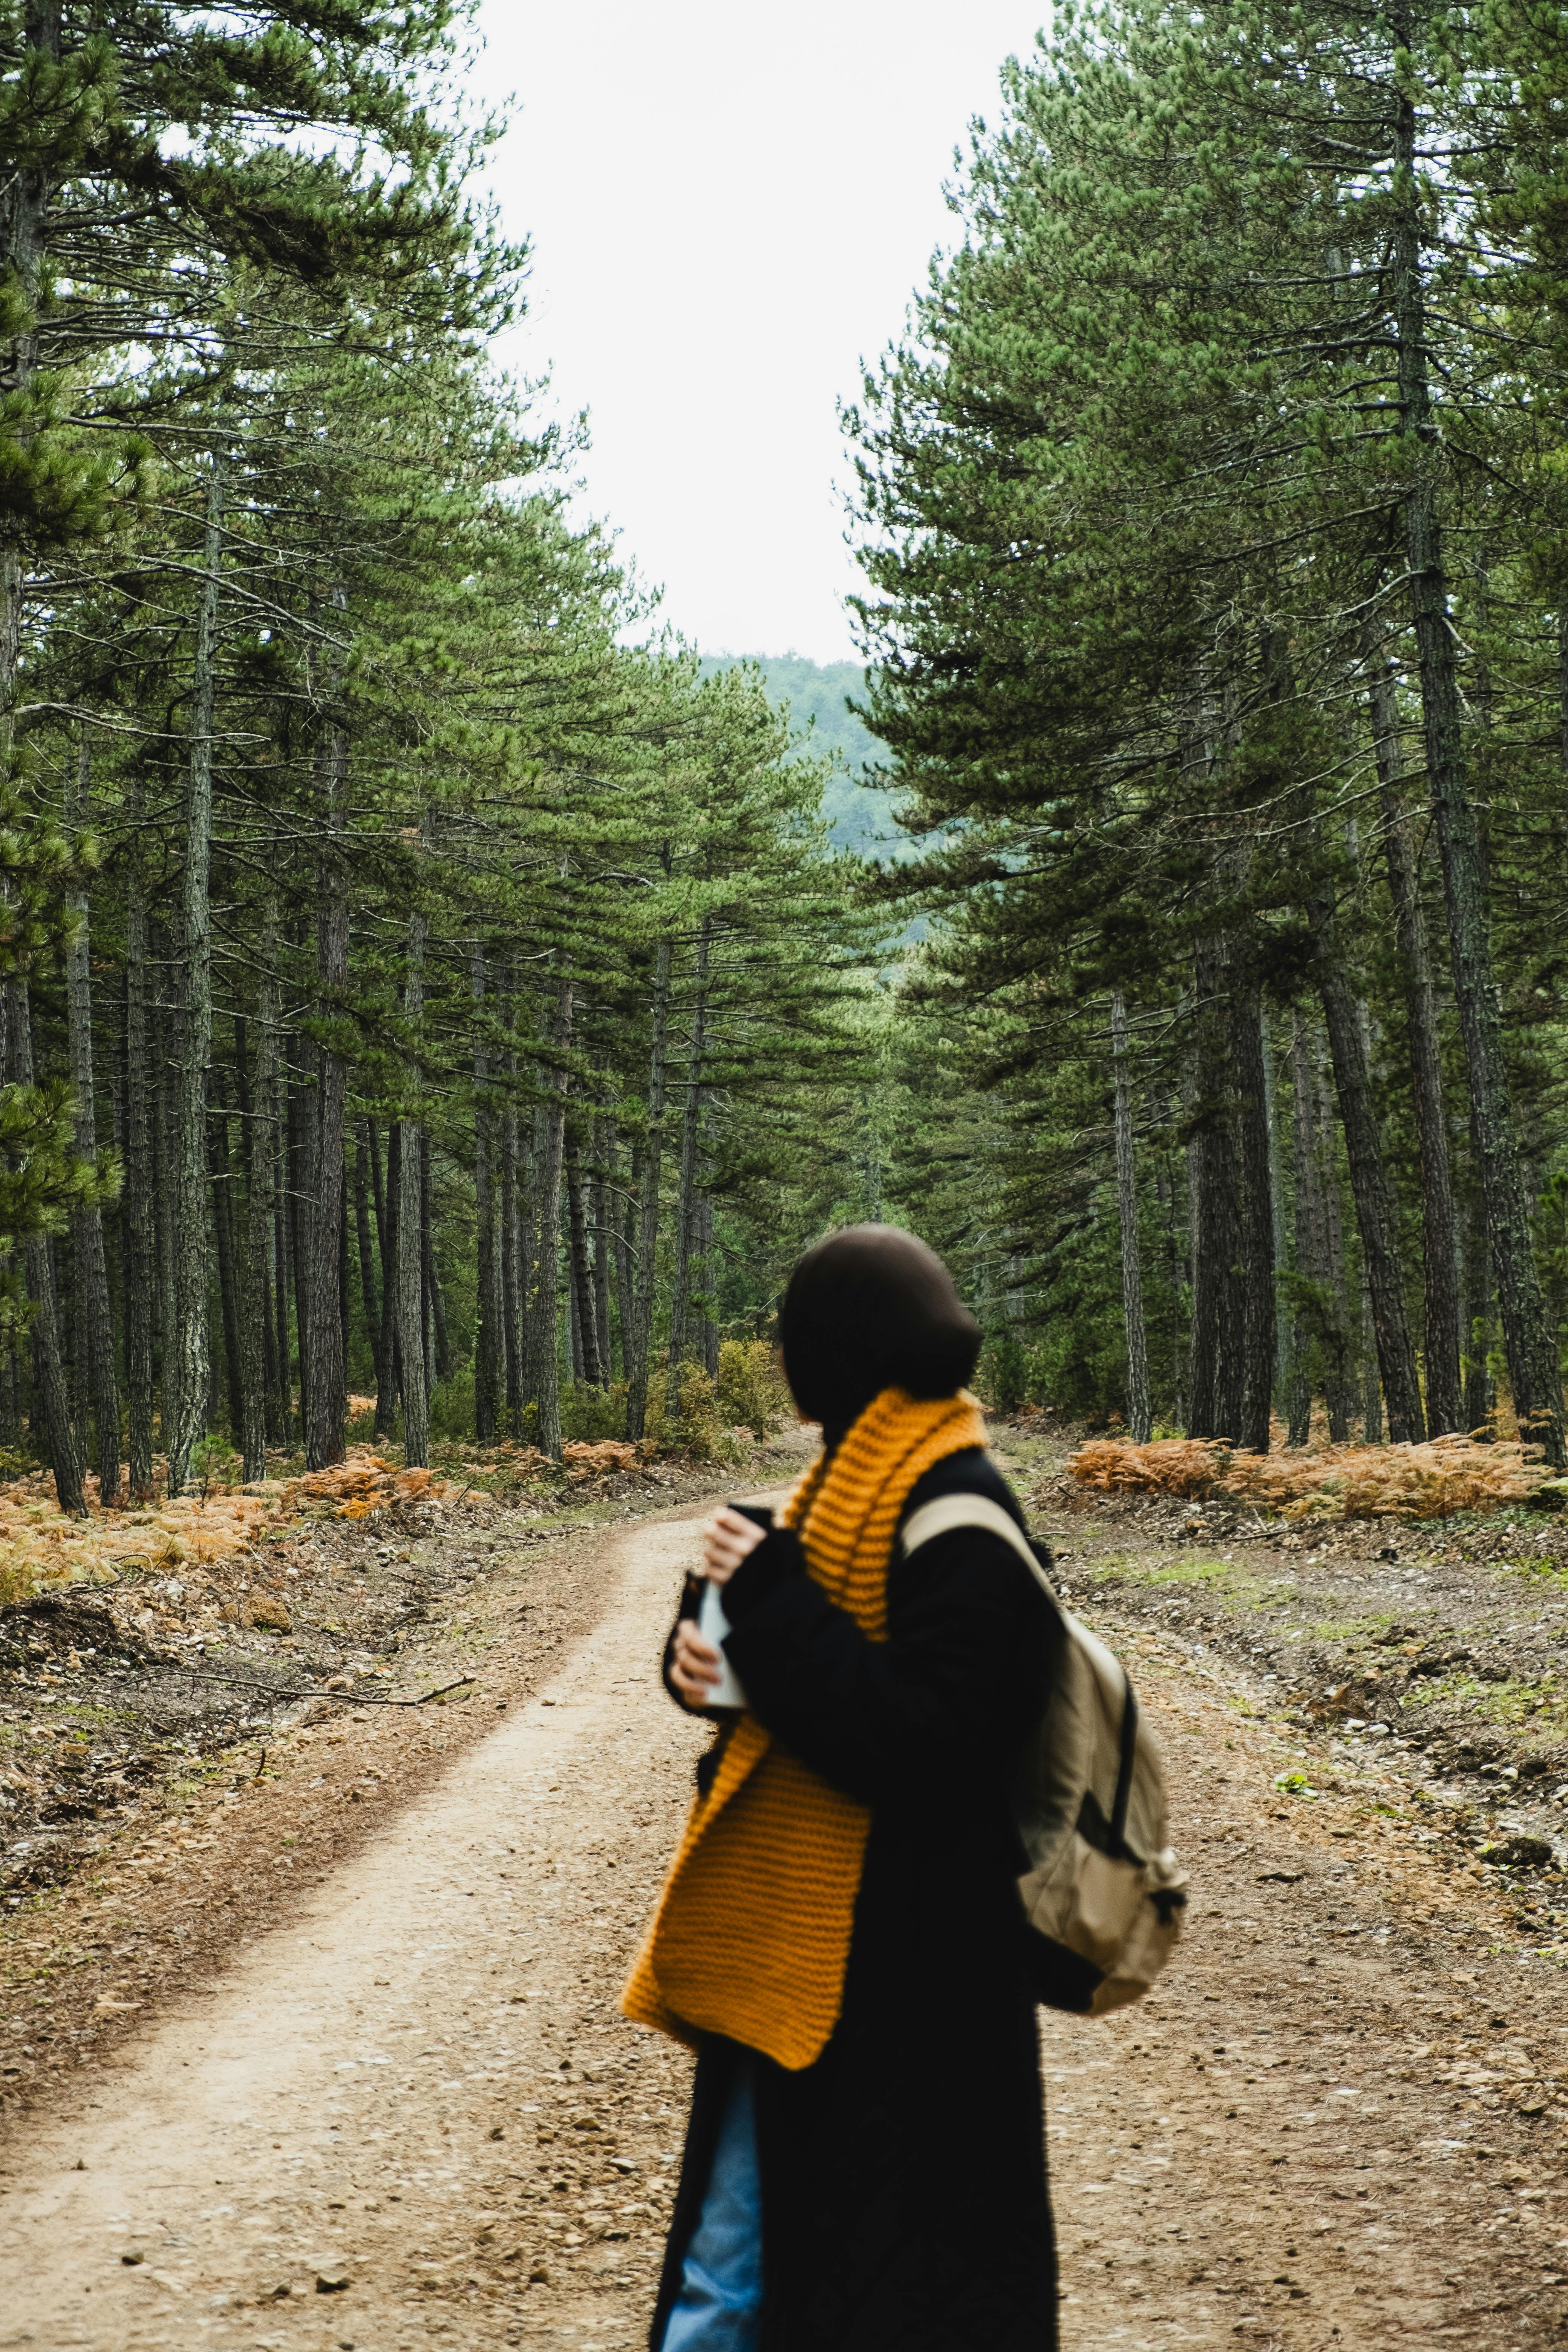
(730, 207)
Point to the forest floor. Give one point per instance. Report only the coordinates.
(323, 2052)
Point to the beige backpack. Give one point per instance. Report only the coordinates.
(1103, 1894)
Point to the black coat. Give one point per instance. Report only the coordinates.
(903, 2174)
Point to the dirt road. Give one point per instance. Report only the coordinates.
(409, 2112)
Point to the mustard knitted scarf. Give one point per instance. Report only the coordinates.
(752, 1935)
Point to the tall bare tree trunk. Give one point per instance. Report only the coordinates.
(648, 1205)
(1253, 1158)
(1369, 1181)
(590, 1369)
(364, 1245)
(49, 1371)
(1139, 1410)
(489, 1376)
(136, 1227)
(326, 1170)
(261, 1161)
(1439, 1230)
(192, 1368)
(1214, 1184)
(410, 1235)
(603, 1246)
(387, 1197)
(686, 1190)
(91, 1269)
(626, 1263)
(512, 1271)
(541, 1386)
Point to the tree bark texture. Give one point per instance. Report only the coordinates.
(410, 1236)
(1284, 1327)
(261, 1160)
(387, 1200)
(324, 1200)
(626, 1262)
(1439, 1232)
(588, 1364)
(1369, 1182)
(1533, 1372)
(1139, 1410)
(427, 1264)
(647, 1203)
(370, 1286)
(1257, 1220)
(220, 1176)
(686, 1189)
(92, 1270)
(542, 1387)
(1214, 1185)
(48, 1359)
(488, 1377)
(297, 1150)
(186, 1386)
(511, 1272)
(603, 1246)
(136, 1222)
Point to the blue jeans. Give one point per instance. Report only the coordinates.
(721, 2300)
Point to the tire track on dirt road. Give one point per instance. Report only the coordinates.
(412, 2115)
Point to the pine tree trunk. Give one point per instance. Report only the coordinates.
(297, 1147)
(1339, 1388)
(427, 1264)
(1253, 1160)
(1139, 1411)
(1439, 1232)
(1480, 1301)
(136, 1226)
(580, 1252)
(99, 1387)
(1369, 1182)
(1307, 1267)
(705, 1247)
(602, 1248)
(1214, 1185)
(511, 1272)
(626, 1263)
(325, 1201)
(370, 1287)
(488, 1343)
(1284, 1327)
(261, 1158)
(686, 1190)
(220, 1177)
(647, 1206)
(410, 1232)
(388, 1393)
(1528, 1342)
(48, 1359)
(541, 1377)
(191, 1371)
(166, 1125)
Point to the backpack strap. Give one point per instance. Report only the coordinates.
(949, 1511)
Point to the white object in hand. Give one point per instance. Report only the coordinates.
(713, 1624)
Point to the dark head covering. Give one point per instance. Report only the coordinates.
(867, 1309)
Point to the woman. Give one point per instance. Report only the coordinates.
(840, 1935)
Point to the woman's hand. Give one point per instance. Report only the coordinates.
(695, 1664)
(726, 1540)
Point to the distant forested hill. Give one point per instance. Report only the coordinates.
(861, 817)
